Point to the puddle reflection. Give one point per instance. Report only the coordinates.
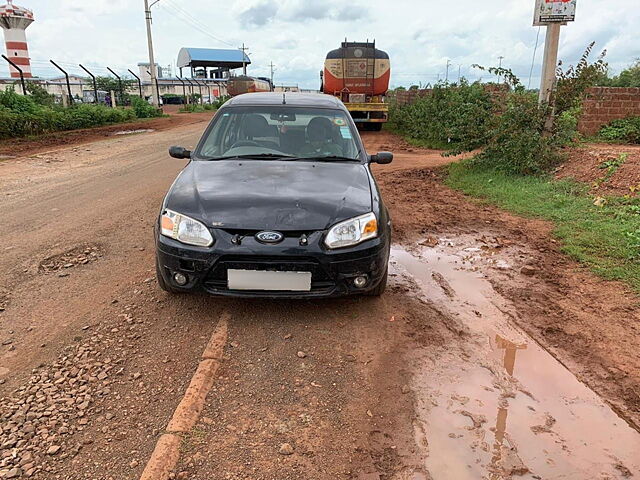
(508, 362)
(547, 423)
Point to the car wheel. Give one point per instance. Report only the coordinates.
(161, 282)
(381, 287)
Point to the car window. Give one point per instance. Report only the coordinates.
(293, 132)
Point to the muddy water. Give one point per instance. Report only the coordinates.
(496, 405)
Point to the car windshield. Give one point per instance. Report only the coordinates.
(280, 132)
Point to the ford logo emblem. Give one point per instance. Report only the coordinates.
(269, 237)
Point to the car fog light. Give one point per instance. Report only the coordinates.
(180, 278)
(360, 281)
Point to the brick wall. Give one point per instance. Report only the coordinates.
(604, 104)
(404, 97)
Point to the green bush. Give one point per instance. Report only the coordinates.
(624, 129)
(519, 143)
(221, 101)
(197, 108)
(457, 117)
(29, 115)
(18, 103)
(143, 109)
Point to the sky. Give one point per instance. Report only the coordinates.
(420, 36)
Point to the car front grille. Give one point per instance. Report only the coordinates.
(217, 278)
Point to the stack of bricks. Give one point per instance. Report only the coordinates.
(604, 104)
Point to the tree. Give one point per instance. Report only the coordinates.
(629, 77)
(109, 84)
(40, 95)
(573, 82)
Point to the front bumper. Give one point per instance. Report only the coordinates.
(332, 271)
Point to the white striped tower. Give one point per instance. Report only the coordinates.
(14, 20)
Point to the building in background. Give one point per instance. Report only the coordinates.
(212, 63)
(145, 71)
(14, 21)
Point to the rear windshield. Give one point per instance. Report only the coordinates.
(280, 132)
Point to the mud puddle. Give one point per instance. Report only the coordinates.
(495, 405)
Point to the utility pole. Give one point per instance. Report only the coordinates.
(459, 73)
(244, 63)
(447, 74)
(152, 63)
(552, 15)
(271, 65)
(500, 58)
(550, 61)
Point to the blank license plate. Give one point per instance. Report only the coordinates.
(270, 281)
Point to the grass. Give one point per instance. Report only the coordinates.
(605, 238)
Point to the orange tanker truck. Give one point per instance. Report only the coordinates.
(358, 73)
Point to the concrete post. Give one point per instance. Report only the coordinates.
(152, 64)
(550, 62)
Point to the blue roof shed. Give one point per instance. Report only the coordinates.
(212, 57)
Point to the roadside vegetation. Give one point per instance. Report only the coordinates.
(37, 113)
(197, 108)
(604, 234)
(626, 130)
(448, 118)
(520, 143)
(629, 77)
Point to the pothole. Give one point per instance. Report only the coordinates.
(4, 300)
(75, 257)
(134, 132)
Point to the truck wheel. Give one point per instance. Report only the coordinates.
(382, 286)
(376, 127)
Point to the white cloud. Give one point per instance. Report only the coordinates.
(297, 34)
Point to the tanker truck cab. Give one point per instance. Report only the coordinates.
(358, 73)
(277, 200)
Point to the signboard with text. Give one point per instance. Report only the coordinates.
(554, 11)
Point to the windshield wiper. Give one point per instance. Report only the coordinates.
(327, 158)
(257, 156)
(336, 158)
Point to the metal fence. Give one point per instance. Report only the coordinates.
(77, 83)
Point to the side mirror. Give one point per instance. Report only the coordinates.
(179, 152)
(382, 158)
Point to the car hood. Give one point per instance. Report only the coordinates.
(271, 194)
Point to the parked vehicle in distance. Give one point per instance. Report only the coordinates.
(358, 73)
(244, 84)
(277, 200)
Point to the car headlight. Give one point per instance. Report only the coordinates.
(352, 231)
(184, 229)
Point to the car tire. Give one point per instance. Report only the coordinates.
(381, 287)
(377, 127)
(161, 281)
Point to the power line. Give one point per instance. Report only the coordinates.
(187, 18)
(533, 60)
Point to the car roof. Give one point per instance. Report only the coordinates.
(295, 99)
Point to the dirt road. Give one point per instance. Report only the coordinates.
(491, 356)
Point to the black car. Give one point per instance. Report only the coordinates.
(278, 200)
